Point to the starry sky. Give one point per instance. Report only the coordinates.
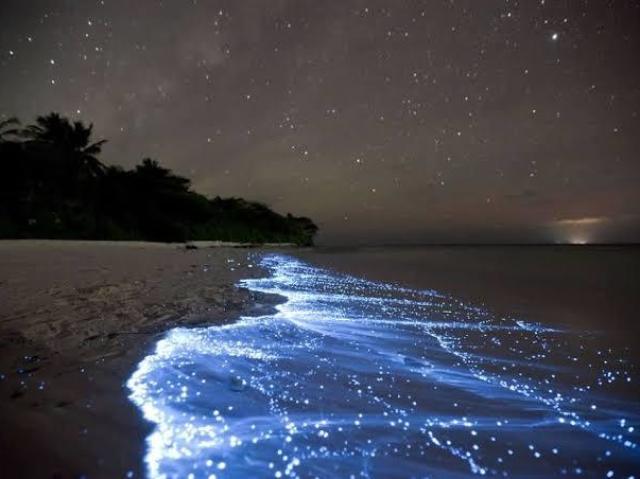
(384, 121)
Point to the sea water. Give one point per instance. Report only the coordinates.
(356, 378)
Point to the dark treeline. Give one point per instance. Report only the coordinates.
(53, 185)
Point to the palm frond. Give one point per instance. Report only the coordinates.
(94, 148)
(9, 121)
(5, 129)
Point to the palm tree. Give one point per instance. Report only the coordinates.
(6, 128)
(156, 177)
(70, 139)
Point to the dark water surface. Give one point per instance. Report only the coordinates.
(588, 287)
(359, 378)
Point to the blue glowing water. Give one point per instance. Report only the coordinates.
(352, 378)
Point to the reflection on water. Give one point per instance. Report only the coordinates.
(352, 378)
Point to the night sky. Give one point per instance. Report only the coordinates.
(384, 121)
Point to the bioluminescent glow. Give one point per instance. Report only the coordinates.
(352, 378)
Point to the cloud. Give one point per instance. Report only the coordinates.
(587, 221)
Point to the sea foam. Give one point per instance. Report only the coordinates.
(354, 378)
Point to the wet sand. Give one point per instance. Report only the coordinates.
(75, 319)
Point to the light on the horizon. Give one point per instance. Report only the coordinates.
(580, 231)
(578, 240)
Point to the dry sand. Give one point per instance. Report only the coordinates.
(75, 318)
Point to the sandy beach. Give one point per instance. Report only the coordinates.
(75, 319)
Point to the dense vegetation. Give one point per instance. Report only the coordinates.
(54, 186)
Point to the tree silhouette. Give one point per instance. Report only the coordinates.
(72, 140)
(158, 177)
(54, 186)
(7, 129)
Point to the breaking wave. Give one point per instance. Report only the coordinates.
(354, 378)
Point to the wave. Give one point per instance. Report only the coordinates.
(355, 378)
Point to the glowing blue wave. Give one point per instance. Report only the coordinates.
(352, 378)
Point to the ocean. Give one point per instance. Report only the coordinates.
(408, 363)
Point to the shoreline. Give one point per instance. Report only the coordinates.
(323, 381)
(77, 318)
(30, 242)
